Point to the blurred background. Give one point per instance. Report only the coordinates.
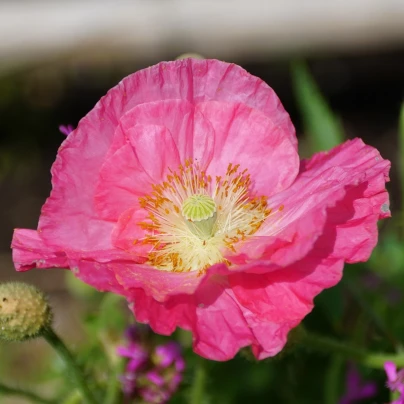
(57, 58)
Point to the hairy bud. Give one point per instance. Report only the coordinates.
(24, 312)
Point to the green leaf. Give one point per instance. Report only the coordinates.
(321, 125)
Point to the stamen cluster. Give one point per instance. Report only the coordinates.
(227, 215)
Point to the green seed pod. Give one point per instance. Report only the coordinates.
(24, 312)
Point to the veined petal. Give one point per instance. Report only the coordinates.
(132, 169)
(242, 132)
(30, 251)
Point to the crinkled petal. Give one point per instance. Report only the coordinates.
(242, 132)
(218, 310)
(120, 176)
(192, 135)
(204, 313)
(205, 80)
(128, 235)
(99, 275)
(353, 195)
(30, 251)
(286, 296)
(176, 116)
(163, 317)
(156, 283)
(349, 235)
(289, 244)
(133, 168)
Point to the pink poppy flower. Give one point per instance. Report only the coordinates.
(182, 190)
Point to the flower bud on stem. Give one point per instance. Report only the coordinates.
(71, 364)
(25, 313)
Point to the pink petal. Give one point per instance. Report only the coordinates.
(353, 194)
(121, 176)
(99, 275)
(176, 116)
(205, 80)
(286, 296)
(159, 284)
(132, 169)
(128, 235)
(219, 323)
(94, 268)
(192, 136)
(288, 243)
(242, 132)
(370, 168)
(218, 310)
(29, 251)
(204, 314)
(163, 317)
(349, 234)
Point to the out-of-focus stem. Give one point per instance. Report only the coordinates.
(374, 360)
(71, 364)
(198, 385)
(23, 393)
(113, 393)
(331, 390)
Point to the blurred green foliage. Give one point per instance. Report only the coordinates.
(322, 127)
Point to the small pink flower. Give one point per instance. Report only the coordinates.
(182, 190)
(395, 381)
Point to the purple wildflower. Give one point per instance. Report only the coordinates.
(355, 388)
(136, 353)
(66, 129)
(395, 381)
(169, 354)
(152, 373)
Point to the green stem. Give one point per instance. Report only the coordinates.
(331, 391)
(198, 385)
(73, 398)
(71, 364)
(23, 393)
(114, 386)
(374, 360)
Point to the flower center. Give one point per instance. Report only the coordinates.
(194, 219)
(200, 212)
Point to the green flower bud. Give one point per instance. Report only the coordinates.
(24, 312)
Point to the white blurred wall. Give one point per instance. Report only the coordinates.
(32, 31)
